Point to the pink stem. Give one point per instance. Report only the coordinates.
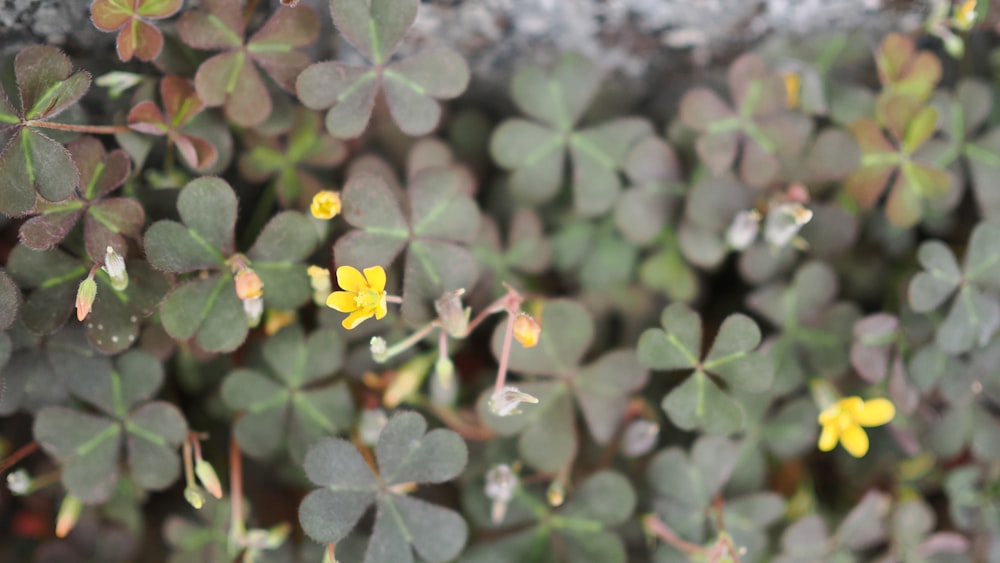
(505, 353)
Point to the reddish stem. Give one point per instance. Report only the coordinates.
(505, 353)
(248, 12)
(95, 129)
(21, 453)
(393, 299)
(236, 484)
(653, 523)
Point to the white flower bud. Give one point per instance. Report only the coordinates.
(371, 425)
(19, 482)
(640, 437)
(378, 347)
(254, 309)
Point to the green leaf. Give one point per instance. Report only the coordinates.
(407, 452)
(677, 347)
(557, 96)
(46, 82)
(207, 206)
(208, 308)
(87, 446)
(535, 153)
(10, 301)
(348, 91)
(287, 237)
(606, 497)
(982, 260)
(694, 479)
(732, 357)
(548, 439)
(153, 432)
(33, 162)
(374, 28)
(411, 86)
(437, 534)
(699, 403)
(603, 389)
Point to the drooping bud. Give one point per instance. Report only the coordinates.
(371, 425)
(206, 474)
(267, 539)
(325, 205)
(248, 284)
(526, 330)
(114, 265)
(444, 388)
(86, 293)
(69, 515)
(254, 309)
(743, 230)
(784, 222)
(506, 401)
(194, 496)
(117, 82)
(322, 285)
(501, 483)
(454, 319)
(556, 493)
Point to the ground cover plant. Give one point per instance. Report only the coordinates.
(274, 309)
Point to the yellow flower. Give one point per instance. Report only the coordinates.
(843, 420)
(362, 296)
(325, 205)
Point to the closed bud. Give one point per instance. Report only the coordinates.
(114, 265)
(321, 283)
(407, 380)
(444, 388)
(501, 483)
(266, 539)
(86, 293)
(454, 318)
(556, 493)
(206, 474)
(526, 330)
(784, 221)
(640, 437)
(248, 284)
(69, 515)
(118, 82)
(194, 496)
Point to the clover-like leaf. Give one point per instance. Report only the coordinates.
(136, 36)
(89, 445)
(441, 222)
(808, 539)
(815, 331)
(208, 307)
(963, 116)
(974, 316)
(230, 78)
(30, 161)
(294, 405)
(536, 152)
(410, 85)
(709, 210)
(759, 122)
(686, 483)
(289, 158)
(406, 453)
(181, 104)
(582, 528)
(107, 221)
(889, 146)
(905, 71)
(698, 402)
(601, 258)
(10, 301)
(548, 439)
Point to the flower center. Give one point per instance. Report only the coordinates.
(368, 298)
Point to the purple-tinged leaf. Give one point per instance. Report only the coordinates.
(44, 231)
(286, 29)
(100, 171)
(700, 107)
(557, 96)
(374, 28)
(46, 82)
(139, 39)
(718, 150)
(349, 91)
(219, 26)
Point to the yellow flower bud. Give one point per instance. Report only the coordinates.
(526, 330)
(325, 205)
(69, 515)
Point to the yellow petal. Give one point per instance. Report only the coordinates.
(350, 279)
(343, 301)
(855, 441)
(828, 438)
(875, 412)
(851, 405)
(357, 317)
(829, 414)
(380, 308)
(376, 278)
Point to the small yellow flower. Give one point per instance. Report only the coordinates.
(362, 296)
(526, 330)
(319, 279)
(843, 421)
(325, 205)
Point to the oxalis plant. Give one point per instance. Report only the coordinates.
(260, 307)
